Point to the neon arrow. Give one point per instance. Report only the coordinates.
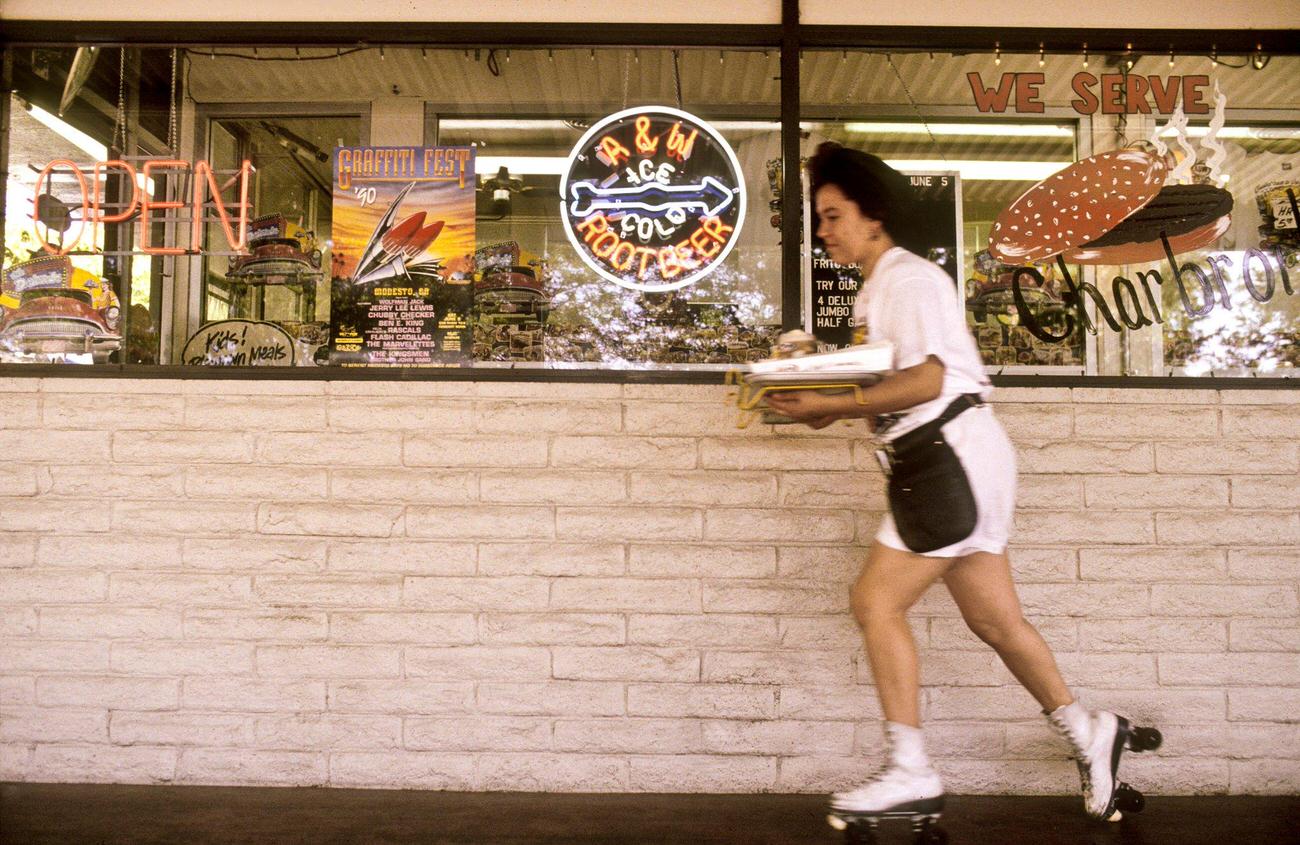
(710, 197)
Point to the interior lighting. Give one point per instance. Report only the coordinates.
(991, 130)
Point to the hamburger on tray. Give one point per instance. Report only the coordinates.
(795, 364)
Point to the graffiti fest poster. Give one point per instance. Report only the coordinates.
(401, 273)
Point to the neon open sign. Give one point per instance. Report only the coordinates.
(91, 183)
(652, 199)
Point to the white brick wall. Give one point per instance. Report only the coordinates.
(605, 587)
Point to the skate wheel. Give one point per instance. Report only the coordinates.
(837, 822)
(1145, 739)
(931, 836)
(1115, 816)
(1129, 799)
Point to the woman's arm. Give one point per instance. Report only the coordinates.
(902, 390)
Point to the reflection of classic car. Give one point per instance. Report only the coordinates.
(60, 321)
(990, 293)
(279, 252)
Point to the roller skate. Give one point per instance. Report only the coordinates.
(906, 787)
(1097, 740)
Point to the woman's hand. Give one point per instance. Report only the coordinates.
(817, 410)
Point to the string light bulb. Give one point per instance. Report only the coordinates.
(1258, 61)
(1128, 56)
(1214, 54)
(381, 54)
(1171, 56)
(997, 52)
(1085, 55)
(1041, 60)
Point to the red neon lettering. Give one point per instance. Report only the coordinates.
(680, 144)
(612, 152)
(621, 264)
(64, 246)
(146, 204)
(669, 266)
(646, 254)
(645, 144)
(97, 184)
(605, 244)
(592, 227)
(202, 173)
(716, 229)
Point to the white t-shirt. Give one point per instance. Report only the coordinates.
(914, 304)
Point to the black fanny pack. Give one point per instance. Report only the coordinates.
(929, 494)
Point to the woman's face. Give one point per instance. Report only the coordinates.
(846, 231)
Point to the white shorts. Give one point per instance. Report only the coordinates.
(989, 459)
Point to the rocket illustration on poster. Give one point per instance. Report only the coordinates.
(401, 277)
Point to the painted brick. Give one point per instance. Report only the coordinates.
(250, 767)
(22, 411)
(552, 487)
(329, 591)
(757, 454)
(167, 588)
(272, 625)
(110, 552)
(1278, 423)
(257, 483)
(717, 629)
(510, 593)
(1081, 527)
(1146, 396)
(37, 587)
(1152, 564)
(172, 517)
(401, 696)
(700, 419)
(181, 658)
(755, 525)
(62, 447)
(48, 725)
(181, 447)
(840, 564)
(644, 523)
(1243, 669)
(102, 763)
(1176, 775)
(86, 622)
(113, 692)
(568, 416)
(1264, 704)
(245, 387)
(331, 449)
(783, 596)
(552, 773)
(707, 701)
(715, 394)
(832, 490)
(1061, 633)
(411, 769)
(700, 559)
(1226, 457)
(550, 559)
(1140, 492)
(252, 695)
(1144, 422)
(1038, 422)
(544, 390)
(703, 774)
(183, 729)
(1154, 635)
(142, 481)
(1262, 564)
(254, 555)
(1244, 528)
(327, 661)
(838, 631)
(17, 622)
(1281, 635)
(255, 413)
(47, 514)
(330, 520)
(497, 522)
(630, 663)
(704, 487)
(777, 667)
(769, 737)
(479, 733)
(409, 557)
(1278, 493)
(1087, 457)
(378, 627)
(21, 479)
(1263, 777)
(491, 663)
(624, 452)
(1051, 492)
(439, 450)
(1031, 564)
(1092, 600)
(16, 691)
(398, 484)
(551, 629)
(327, 731)
(1219, 600)
(839, 703)
(553, 698)
(403, 388)
(628, 736)
(645, 595)
(1285, 396)
(399, 413)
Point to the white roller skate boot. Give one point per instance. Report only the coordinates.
(1097, 741)
(906, 786)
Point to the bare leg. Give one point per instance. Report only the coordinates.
(890, 583)
(982, 587)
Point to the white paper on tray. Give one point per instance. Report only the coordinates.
(867, 357)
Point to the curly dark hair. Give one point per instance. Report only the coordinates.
(879, 191)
